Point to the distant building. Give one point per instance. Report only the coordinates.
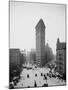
(14, 56)
(40, 42)
(61, 57)
(33, 56)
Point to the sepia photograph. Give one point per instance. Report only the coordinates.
(37, 44)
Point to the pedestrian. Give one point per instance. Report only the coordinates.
(35, 85)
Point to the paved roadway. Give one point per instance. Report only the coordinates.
(33, 76)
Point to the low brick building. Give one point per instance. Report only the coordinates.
(14, 63)
(14, 56)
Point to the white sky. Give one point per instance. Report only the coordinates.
(25, 16)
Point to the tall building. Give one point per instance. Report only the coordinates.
(40, 42)
(61, 57)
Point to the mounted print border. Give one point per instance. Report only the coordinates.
(37, 44)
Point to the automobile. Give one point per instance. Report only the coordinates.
(45, 85)
(53, 75)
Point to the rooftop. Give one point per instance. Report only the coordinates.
(40, 23)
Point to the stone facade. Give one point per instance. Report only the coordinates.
(40, 42)
(61, 57)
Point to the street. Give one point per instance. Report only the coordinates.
(37, 78)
